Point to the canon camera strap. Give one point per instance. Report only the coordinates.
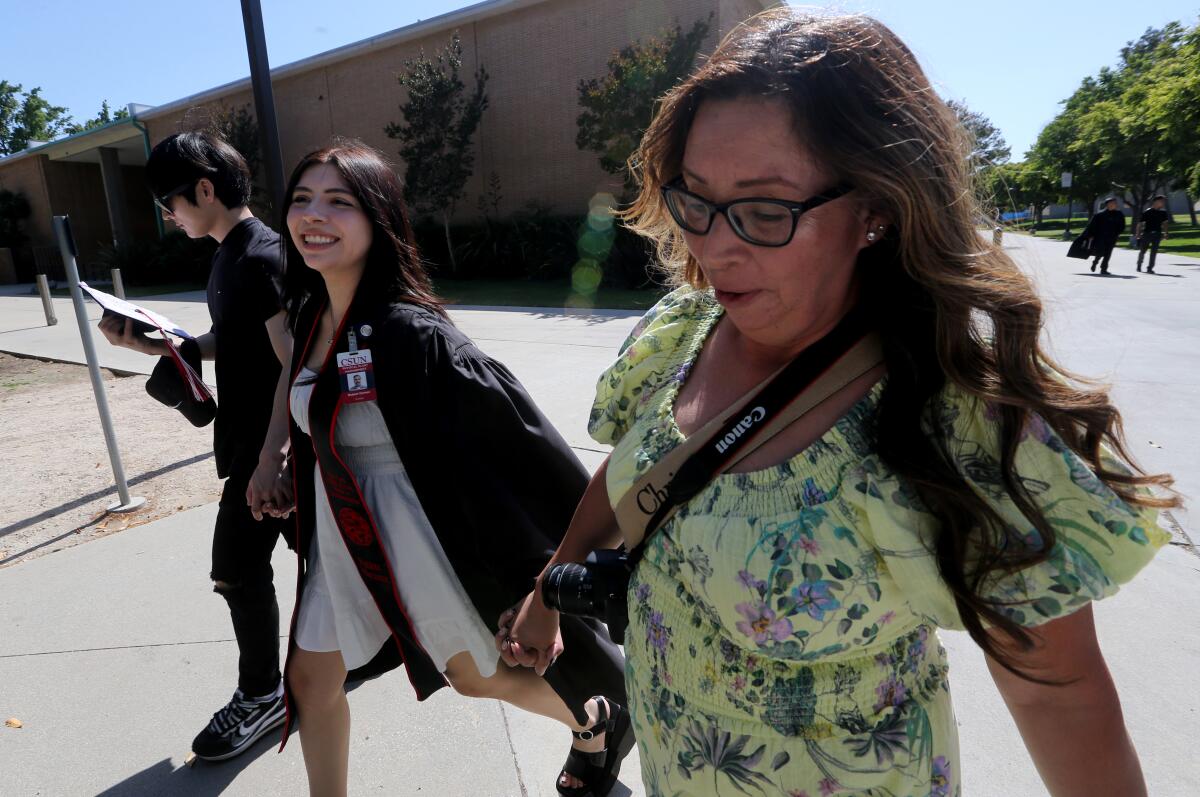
(819, 372)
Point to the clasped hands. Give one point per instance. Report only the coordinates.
(529, 635)
(270, 489)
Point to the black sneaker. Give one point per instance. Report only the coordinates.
(236, 727)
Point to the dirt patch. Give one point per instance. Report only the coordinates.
(56, 474)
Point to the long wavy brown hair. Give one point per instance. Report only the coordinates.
(950, 306)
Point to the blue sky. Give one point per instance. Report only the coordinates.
(1011, 61)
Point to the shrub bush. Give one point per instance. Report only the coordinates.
(537, 244)
(175, 258)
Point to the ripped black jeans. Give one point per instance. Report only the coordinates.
(242, 574)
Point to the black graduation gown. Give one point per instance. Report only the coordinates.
(1104, 229)
(497, 481)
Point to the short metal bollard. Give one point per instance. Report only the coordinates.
(47, 304)
(118, 285)
(997, 235)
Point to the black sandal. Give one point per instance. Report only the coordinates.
(599, 770)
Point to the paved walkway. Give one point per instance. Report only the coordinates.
(114, 653)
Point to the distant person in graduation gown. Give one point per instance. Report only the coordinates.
(430, 490)
(1104, 229)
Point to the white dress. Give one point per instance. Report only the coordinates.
(337, 611)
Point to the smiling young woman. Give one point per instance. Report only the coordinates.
(429, 486)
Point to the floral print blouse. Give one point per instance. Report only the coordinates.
(781, 634)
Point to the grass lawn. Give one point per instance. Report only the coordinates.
(1183, 237)
(527, 293)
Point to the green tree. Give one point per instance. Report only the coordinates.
(1017, 186)
(28, 117)
(440, 119)
(10, 104)
(1059, 148)
(239, 128)
(1121, 133)
(1132, 127)
(1036, 188)
(618, 107)
(988, 147)
(105, 116)
(1173, 109)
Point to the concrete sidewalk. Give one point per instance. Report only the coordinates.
(114, 653)
(578, 344)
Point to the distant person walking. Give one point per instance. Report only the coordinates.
(1151, 230)
(1104, 229)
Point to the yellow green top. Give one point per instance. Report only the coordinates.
(781, 623)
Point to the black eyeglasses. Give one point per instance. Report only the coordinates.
(757, 220)
(162, 201)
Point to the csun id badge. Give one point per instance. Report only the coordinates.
(356, 372)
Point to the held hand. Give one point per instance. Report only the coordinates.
(507, 648)
(270, 490)
(284, 502)
(118, 331)
(533, 638)
(512, 652)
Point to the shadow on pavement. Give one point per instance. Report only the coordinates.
(19, 554)
(586, 316)
(589, 316)
(49, 513)
(204, 779)
(1107, 276)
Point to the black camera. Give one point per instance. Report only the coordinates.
(596, 588)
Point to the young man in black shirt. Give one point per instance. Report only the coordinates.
(1152, 229)
(203, 185)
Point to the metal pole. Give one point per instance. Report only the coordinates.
(66, 243)
(118, 284)
(1070, 208)
(47, 304)
(264, 99)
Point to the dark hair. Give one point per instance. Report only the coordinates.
(950, 305)
(187, 157)
(394, 271)
(1158, 197)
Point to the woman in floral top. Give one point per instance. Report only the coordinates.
(782, 624)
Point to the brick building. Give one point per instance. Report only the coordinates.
(535, 53)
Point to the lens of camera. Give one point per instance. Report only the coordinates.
(568, 588)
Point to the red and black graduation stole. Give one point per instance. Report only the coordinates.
(353, 381)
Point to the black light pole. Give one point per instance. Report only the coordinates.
(264, 99)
